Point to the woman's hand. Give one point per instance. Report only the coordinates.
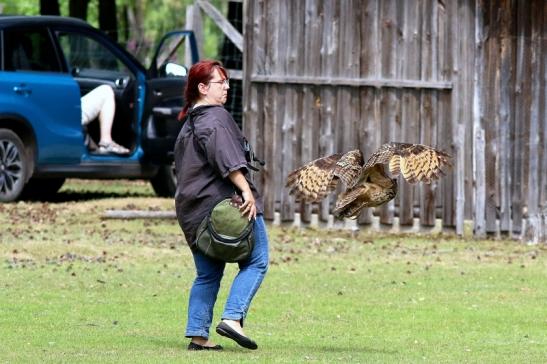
(248, 208)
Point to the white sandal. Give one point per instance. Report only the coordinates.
(112, 147)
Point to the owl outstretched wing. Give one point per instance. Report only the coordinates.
(316, 179)
(415, 162)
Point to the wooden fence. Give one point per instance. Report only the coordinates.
(326, 76)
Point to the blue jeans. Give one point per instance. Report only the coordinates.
(204, 291)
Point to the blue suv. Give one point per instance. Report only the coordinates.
(46, 64)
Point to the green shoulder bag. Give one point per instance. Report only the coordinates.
(224, 234)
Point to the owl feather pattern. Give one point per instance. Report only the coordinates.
(367, 184)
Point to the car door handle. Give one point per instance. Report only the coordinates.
(158, 93)
(22, 90)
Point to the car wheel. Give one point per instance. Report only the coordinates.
(13, 166)
(165, 181)
(42, 188)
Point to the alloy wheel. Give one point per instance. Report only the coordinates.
(11, 167)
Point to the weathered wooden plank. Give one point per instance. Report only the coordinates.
(313, 38)
(311, 102)
(250, 111)
(342, 124)
(194, 22)
(522, 88)
(270, 148)
(428, 104)
(348, 66)
(388, 36)
(269, 24)
(534, 229)
(346, 123)
(389, 102)
(251, 117)
(388, 111)
(369, 134)
(479, 228)
(261, 139)
(491, 121)
(289, 141)
(459, 142)
(369, 131)
(253, 107)
(269, 27)
(306, 145)
(444, 98)
(284, 129)
(255, 31)
(442, 43)
(288, 46)
(328, 52)
(479, 176)
(467, 61)
(505, 114)
(446, 132)
(542, 115)
(428, 132)
(353, 82)
(462, 110)
(326, 142)
(223, 23)
(279, 135)
(370, 45)
(410, 119)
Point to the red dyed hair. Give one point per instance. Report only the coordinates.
(201, 72)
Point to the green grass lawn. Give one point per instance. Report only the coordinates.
(78, 288)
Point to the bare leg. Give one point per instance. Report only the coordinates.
(101, 103)
(106, 116)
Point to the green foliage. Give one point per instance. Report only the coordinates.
(20, 7)
(78, 288)
(159, 17)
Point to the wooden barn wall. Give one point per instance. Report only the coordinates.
(511, 127)
(327, 76)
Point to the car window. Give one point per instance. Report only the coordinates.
(29, 50)
(87, 56)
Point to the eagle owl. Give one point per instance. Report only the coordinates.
(368, 184)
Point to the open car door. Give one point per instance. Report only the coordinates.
(167, 76)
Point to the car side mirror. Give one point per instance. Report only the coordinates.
(173, 70)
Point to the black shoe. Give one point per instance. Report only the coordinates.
(225, 330)
(194, 346)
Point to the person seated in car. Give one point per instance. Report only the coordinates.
(100, 102)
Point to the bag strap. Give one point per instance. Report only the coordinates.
(192, 127)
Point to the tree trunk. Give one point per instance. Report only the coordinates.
(78, 8)
(107, 18)
(49, 7)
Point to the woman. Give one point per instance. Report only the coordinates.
(211, 165)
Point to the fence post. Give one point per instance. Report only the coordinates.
(479, 165)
